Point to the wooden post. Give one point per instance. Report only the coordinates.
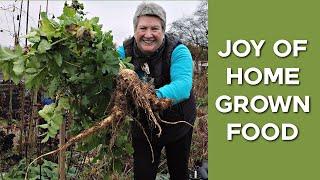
(10, 113)
(22, 120)
(32, 131)
(62, 156)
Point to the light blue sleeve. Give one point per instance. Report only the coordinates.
(121, 52)
(181, 72)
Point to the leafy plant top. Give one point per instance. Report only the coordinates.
(72, 61)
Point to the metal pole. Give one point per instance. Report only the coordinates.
(27, 24)
(21, 6)
(47, 7)
(39, 17)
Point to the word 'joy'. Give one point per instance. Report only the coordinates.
(295, 47)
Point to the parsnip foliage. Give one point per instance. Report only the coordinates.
(72, 61)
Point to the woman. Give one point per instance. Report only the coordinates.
(163, 60)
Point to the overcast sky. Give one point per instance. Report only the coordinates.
(114, 15)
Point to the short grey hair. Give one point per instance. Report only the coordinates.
(150, 9)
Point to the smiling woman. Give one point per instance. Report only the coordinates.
(149, 34)
(161, 59)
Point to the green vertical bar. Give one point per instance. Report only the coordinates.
(269, 20)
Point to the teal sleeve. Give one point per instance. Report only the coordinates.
(121, 52)
(181, 72)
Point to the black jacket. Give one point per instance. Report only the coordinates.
(159, 66)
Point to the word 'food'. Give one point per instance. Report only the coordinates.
(234, 129)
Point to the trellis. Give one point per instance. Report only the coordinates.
(18, 116)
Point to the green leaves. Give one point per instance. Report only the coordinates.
(34, 81)
(69, 12)
(125, 63)
(18, 66)
(7, 54)
(74, 62)
(53, 87)
(58, 58)
(47, 112)
(12, 63)
(68, 17)
(49, 170)
(64, 103)
(44, 46)
(53, 115)
(33, 36)
(47, 27)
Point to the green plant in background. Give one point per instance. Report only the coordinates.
(72, 60)
(53, 115)
(47, 171)
(74, 63)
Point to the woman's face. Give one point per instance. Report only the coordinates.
(149, 34)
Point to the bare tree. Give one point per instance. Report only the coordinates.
(193, 30)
